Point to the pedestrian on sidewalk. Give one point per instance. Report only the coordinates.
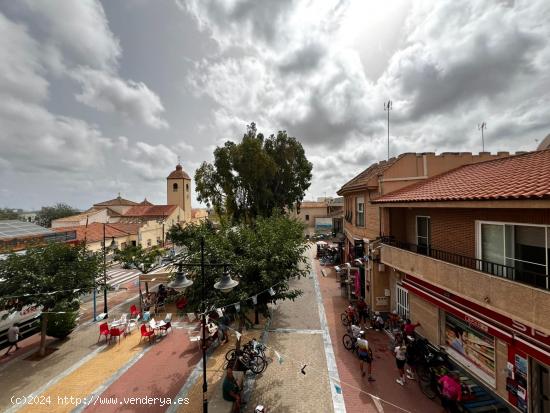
(451, 391)
(231, 390)
(412, 357)
(409, 328)
(365, 355)
(400, 352)
(363, 311)
(13, 337)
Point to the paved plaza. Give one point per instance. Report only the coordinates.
(305, 332)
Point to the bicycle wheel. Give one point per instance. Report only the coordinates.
(230, 355)
(429, 388)
(423, 373)
(257, 364)
(345, 319)
(348, 341)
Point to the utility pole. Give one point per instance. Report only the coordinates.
(482, 126)
(387, 108)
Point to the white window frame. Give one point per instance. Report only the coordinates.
(478, 224)
(357, 213)
(403, 310)
(416, 229)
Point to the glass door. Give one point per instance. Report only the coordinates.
(423, 234)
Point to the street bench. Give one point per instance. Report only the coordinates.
(216, 402)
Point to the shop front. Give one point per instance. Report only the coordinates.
(510, 359)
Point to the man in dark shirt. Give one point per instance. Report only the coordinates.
(231, 390)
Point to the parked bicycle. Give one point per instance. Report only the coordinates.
(431, 364)
(253, 362)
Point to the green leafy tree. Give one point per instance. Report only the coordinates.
(255, 177)
(134, 256)
(64, 319)
(6, 213)
(269, 252)
(47, 214)
(68, 269)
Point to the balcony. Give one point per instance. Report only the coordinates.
(502, 288)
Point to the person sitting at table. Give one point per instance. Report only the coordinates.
(231, 390)
(162, 292)
(147, 302)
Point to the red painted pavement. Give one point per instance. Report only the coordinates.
(408, 397)
(161, 373)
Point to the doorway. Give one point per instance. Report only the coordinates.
(540, 388)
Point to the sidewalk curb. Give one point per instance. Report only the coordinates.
(334, 378)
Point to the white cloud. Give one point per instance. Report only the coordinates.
(151, 162)
(107, 93)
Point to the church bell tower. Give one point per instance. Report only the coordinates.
(178, 191)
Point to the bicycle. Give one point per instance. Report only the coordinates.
(431, 365)
(253, 362)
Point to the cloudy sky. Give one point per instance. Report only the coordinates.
(101, 97)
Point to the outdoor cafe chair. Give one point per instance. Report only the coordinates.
(133, 310)
(103, 331)
(167, 323)
(146, 333)
(132, 322)
(115, 332)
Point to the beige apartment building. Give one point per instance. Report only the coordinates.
(362, 222)
(468, 252)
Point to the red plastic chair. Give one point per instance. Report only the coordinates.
(103, 331)
(115, 332)
(146, 333)
(133, 310)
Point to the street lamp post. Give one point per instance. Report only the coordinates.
(225, 285)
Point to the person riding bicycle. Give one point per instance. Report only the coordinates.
(356, 331)
(363, 310)
(378, 321)
(351, 313)
(365, 355)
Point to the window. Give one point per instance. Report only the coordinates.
(123, 245)
(175, 187)
(187, 187)
(307, 217)
(402, 301)
(134, 243)
(148, 242)
(521, 252)
(360, 211)
(159, 241)
(423, 234)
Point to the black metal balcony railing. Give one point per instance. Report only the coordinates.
(520, 275)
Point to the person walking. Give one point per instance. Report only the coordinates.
(365, 355)
(400, 352)
(450, 391)
(13, 338)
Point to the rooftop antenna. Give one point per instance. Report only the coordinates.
(387, 108)
(482, 126)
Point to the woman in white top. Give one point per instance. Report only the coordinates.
(400, 358)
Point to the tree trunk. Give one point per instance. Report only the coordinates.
(44, 323)
(256, 315)
(240, 330)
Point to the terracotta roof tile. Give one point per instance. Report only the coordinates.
(150, 211)
(94, 231)
(178, 173)
(525, 176)
(117, 201)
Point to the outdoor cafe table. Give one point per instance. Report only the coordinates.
(157, 325)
